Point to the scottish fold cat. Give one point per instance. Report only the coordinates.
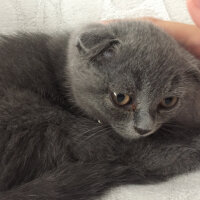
(94, 108)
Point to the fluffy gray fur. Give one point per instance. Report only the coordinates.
(54, 89)
(146, 63)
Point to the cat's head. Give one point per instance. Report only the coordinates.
(130, 75)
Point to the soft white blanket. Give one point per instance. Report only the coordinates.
(56, 15)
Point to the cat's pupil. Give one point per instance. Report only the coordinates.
(168, 100)
(120, 97)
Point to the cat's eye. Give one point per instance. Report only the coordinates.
(168, 102)
(121, 99)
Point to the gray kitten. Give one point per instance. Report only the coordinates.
(139, 62)
(130, 76)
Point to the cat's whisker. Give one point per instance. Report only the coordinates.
(104, 129)
(170, 125)
(97, 133)
(173, 125)
(88, 131)
(167, 130)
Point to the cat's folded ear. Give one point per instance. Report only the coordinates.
(97, 42)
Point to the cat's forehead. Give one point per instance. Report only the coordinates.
(145, 44)
(134, 80)
(143, 69)
(145, 56)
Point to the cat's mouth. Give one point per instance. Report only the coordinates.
(145, 133)
(135, 133)
(129, 131)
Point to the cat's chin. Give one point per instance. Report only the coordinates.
(134, 135)
(137, 136)
(130, 135)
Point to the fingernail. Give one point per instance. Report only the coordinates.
(197, 3)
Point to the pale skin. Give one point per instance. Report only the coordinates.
(187, 35)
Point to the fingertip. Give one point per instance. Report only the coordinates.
(194, 10)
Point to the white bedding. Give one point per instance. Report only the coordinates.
(56, 15)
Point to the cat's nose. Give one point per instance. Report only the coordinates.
(142, 131)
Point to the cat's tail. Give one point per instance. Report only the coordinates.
(75, 182)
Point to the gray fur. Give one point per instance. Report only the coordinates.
(55, 89)
(145, 64)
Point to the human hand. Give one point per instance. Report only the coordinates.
(187, 35)
(194, 10)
